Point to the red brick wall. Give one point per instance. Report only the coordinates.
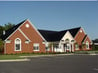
(27, 48)
(79, 37)
(88, 39)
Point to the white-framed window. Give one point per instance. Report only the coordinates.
(76, 47)
(87, 45)
(36, 46)
(80, 31)
(27, 25)
(17, 44)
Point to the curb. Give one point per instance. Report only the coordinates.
(16, 60)
(53, 55)
(45, 55)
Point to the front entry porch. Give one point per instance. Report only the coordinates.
(64, 47)
(67, 47)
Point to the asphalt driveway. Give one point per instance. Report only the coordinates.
(58, 64)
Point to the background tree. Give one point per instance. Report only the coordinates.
(1, 46)
(4, 28)
(1, 30)
(8, 26)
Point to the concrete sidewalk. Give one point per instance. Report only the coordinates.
(54, 55)
(16, 60)
(46, 55)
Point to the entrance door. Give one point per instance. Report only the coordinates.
(67, 47)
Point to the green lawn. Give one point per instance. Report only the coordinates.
(9, 57)
(86, 52)
(17, 56)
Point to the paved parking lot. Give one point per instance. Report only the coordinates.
(57, 64)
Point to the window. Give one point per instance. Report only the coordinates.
(36, 47)
(80, 31)
(17, 44)
(27, 25)
(87, 44)
(47, 49)
(77, 47)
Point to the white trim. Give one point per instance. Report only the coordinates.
(8, 41)
(15, 44)
(21, 25)
(68, 37)
(88, 38)
(79, 31)
(15, 30)
(23, 34)
(36, 29)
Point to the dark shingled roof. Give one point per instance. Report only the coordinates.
(74, 31)
(95, 41)
(53, 36)
(10, 31)
(49, 35)
(84, 38)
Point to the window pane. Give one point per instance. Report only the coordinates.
(17, 44)
(36, 47)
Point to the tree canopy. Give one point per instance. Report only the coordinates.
(5, 27)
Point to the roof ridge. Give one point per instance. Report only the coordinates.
(11, 30)
(71, 29)
(48, 30)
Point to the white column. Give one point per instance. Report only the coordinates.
(72, 47)
(52, 47)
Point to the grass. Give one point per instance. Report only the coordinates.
(17, 56)
(86, 52)
(9, 57)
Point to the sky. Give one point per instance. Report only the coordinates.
(53, 15)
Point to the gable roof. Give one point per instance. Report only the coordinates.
(53, 36)
(11, 30)
(84, 38)
(49, 35)
(95, 41)
(74, 31)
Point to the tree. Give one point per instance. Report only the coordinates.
(8, 26)
(1, 30)
(5, 28)
(1, 46)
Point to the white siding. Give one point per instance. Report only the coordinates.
(67, 36)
